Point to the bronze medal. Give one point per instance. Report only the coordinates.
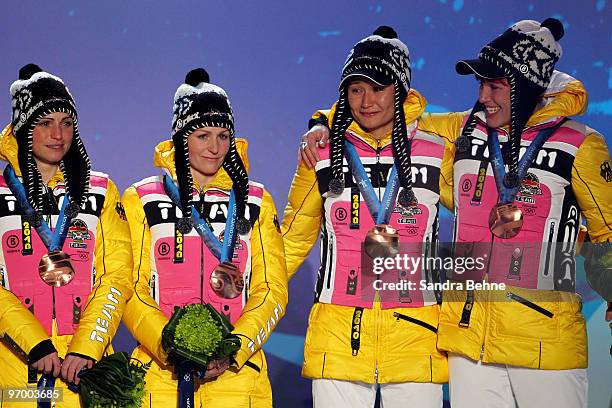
(382, 241)
(55, 269)
(226, 281)
(505, 220)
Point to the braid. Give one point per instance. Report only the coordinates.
(234, 167)
(342, 120)
(401, 144)
(516, 128)
(32, 179)
(463, 141)
(76, 167)
(523, 100)
(183, 173)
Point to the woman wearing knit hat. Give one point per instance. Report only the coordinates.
(378, 183)
(530, 348)
(65, 248)
(526, 345)
(202, 212)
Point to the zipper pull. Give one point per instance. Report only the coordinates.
(201, 204)
(380, 176)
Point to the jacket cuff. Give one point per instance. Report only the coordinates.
(319, 120)
(82, 356)
(42, 349)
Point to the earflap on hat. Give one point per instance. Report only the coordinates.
(35, 95)
(197, 104)
(523, 100)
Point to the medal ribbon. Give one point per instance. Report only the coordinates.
(507, 195)
(46, 383)
(380, 210)
(222, 251)
(54, 241)
(186, 385)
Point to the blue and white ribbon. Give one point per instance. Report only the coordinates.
(380, 210)
(222, 251)
(507, 195)
(54, 241)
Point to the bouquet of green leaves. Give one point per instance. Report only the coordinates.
(200, 334)
(114, 381)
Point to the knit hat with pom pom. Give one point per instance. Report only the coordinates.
(197, 104)
(525, 54)
(35, 95)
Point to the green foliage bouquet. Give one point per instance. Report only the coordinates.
(200, 334)
(114, 381)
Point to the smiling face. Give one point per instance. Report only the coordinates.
(51, 138)
(372, 106)
(494, 94)
(207, 149)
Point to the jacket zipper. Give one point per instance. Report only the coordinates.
(379, 179)
(52, 287)
(549, 245)
(416, 321)
(49, 196)
(201, 272)
(201, 205)
(486, 327)
(378, 172)
(53, 310)
(377, 320)
(530, 304)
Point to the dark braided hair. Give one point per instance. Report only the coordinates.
(341, 121)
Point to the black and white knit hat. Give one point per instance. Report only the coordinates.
(526, 55)
(198, 103)
(383, 59)
(34, 95)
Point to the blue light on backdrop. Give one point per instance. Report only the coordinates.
(279, 61)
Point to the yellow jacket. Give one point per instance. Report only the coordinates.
(111, 264)
(28, 333)
(507, 332)
(267, 297)
(390, 349)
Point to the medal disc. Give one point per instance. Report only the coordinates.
(226, 281)
(55, 269)
(382, 241)
(505, 220)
